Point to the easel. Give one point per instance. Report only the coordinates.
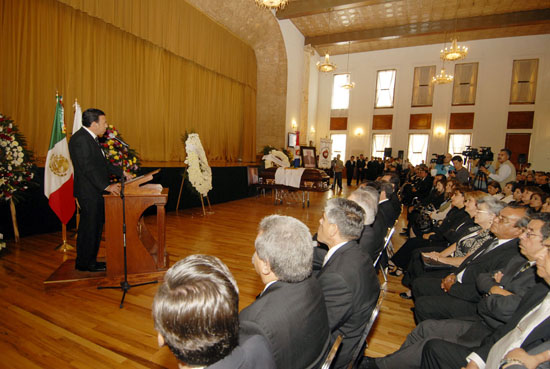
(201, 197)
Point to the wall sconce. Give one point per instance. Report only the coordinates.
(312, 129)
(359, 132)
(439, 131)
(294, 125)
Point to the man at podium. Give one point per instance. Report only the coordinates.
(91, 179)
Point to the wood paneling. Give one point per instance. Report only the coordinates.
(420, 121)
(85, 328)
(338, 123)
(461, 121)
(520, 119)
(518, 143)
(382, 121)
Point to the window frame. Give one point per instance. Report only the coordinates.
(393, 89)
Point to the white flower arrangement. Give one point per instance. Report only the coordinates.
(276, 157)
(16, 163)
(200, 173)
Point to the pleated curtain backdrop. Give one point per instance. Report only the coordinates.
(157, 69)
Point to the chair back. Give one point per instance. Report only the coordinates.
(332, 353)
(363, 342)
(387, 241)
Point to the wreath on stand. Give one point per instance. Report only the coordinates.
(118, 154)
(198, 171)
(16, 167)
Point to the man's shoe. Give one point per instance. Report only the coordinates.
(405, 295)
(101, 264)
(368, 363)
(96, 267)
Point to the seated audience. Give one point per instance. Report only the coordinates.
(456, 295)
(371, 239)
(528, 191)
(528, 328)
(508, 192)
(460, 173)
(290, 312)
(546, 206)
(348, 280)
(445, 207)
(504, 297)
(196, 315)
(537, 200)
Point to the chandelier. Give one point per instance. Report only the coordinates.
(454, 52)
(271, 4)
(326, 66)
(350, 85)
(442, 78)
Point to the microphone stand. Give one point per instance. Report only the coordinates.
(124, 285)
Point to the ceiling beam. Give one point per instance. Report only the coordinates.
(303, 8)
(426, 28)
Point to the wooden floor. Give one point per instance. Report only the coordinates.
(84, 328)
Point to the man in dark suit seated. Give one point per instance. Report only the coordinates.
(495, 308)
(91, 179)
(456, 295)
(527, 329)
(347, 277)
(372, 235)
(196, 315)
(290, 312)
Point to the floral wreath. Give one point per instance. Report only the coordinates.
(16, 162)
(118, 154)
(200, 173)
(276, 157)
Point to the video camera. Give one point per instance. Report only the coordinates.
(439, 159)
(484, 154)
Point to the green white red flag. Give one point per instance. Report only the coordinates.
(58, 177)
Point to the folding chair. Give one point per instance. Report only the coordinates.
(332, 353)
(387, 241)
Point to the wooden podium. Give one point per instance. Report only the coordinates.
(145, 254)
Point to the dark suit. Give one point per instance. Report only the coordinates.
(91, 177)
(423, 187)
(293, 319)
(361, 163)
(351, 290)
(350, 168)
(441, 355)
(386, 210)
(462, 298)
(252, 352)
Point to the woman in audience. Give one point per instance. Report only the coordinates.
(508, 192)
(445, 206)
(546, 206)
(486, 210)
(450, 230)
(494, 190)
(537, 200)
(518, 193)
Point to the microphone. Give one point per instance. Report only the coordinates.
(120, 141)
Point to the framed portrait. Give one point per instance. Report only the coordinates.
(309, 158)
(291, 139)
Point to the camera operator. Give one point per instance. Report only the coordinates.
(460, 173)
(506, 172)
(443, 164)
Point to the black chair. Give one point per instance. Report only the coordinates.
(332, 353)
(387, 241)
(363, 342)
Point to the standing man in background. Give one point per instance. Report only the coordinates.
(337, 167)
(91, 179)
(350, 168)
(506, 171)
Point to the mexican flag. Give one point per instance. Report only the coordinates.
(58, 177)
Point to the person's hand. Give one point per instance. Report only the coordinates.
(128, 176)
(113, 188)
(498, 276)
(447, 282)
(497, 290)
(471, 365)
(484, 170)
(426, 236)
(530, 361)
(432, 255)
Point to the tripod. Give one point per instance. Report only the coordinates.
(479, 179)
(124, 285)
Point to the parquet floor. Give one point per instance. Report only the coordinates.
(84, 328)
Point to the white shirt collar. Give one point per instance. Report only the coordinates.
(267, 286)
(381, 201)
(331, 252)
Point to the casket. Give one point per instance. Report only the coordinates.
(312, 179)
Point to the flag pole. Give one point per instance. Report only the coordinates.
(64, 246)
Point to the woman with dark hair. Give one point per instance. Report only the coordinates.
(537, 200)
(546, 206)
(508, 192)
(445, 206)
(494, 190)
(449, 231)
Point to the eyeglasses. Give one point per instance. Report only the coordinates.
(483, 211)
(530, 234)
(506, 220)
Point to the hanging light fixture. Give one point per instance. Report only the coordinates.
(271, 4)
(442, 78)
(326, 66)
(350, 85)
(455, 51)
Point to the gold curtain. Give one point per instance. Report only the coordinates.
(524, 81)
(423, 88)
(152, 82)
(465, 84)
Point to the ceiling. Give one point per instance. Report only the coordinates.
(329, 25)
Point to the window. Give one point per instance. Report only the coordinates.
(458, 143)
(340, 95)
(379, 143)
(423, 88)
(385, 85)
(418, 148)
(524, 81)
(338, 145)
(465, 83)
